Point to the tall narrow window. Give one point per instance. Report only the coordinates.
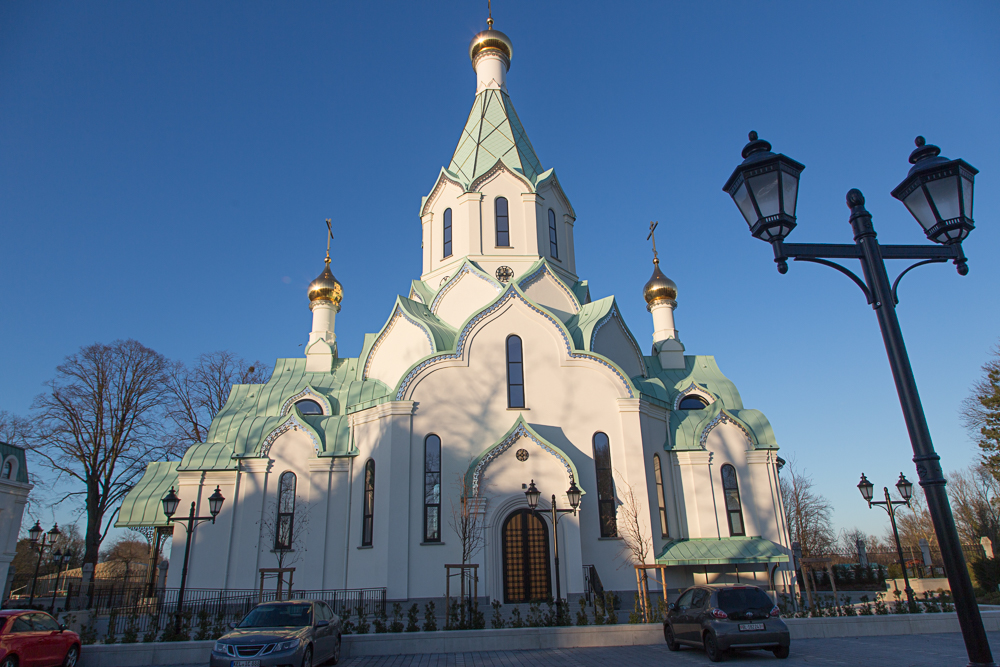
(369, 508)
(553, 239)
(432, 488)
(734, 509)
(658, 474)
(503, 223)
(286, 512)
(8, 470)
(515, 373)
(605, 485)
(447, 233)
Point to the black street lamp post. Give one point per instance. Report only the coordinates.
(938, 193)
(170, 503)
(41, 541)
(905, 489)
(573, 493)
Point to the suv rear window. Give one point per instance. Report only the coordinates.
(740, 600)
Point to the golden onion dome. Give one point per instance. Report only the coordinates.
(491, 40)
(326, 287)
(659, 286)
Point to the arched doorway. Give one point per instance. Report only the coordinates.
(526, 571)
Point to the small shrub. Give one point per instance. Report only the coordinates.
(452, 616)
(496, 620)
(478, 619)
(111, 637)
(347, 627)
(131, 634)
(515, 618)
(88, 633)
(430, 620)
(411, 618)
(866, 607)
(635, 616)
(611, 602)
(534, 619)
(397, 618)
(599, 616)
(881, 609)
(581, 616)
(204, 626)
(363, 627)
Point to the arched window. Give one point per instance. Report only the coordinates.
(368, 518)
(8, 469)
(605, 485)
(692, 402)
(658, 474)
(503, 223)
(447, 233)
(515, 373)
(432, 488)
(553, 239)
(286, 512)
(308, 406)
(734, 509)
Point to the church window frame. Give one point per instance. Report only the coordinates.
(8, 469)
(553, 236)
(309, 407)
(660, 499)
(606, 505)
(368, 506)
(501, 213)
(284, 536)
(432, 488)
(515, 373)
(446, 233)
(731, 496)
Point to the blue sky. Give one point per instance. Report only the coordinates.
(165, 169)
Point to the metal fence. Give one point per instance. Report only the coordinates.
(206, 613)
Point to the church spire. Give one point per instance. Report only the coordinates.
(493, 131)
(660, 294)
(325, 295)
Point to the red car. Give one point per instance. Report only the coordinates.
(35, 639)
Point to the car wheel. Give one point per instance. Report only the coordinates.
(780, 652)
(336, 651)
(668, 635)
(9, 661)
(307, 659)
(72, 656)
(712, 648)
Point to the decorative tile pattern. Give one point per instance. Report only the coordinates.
(511, 293)
(306, 393)
(723, 418)
(693, 389)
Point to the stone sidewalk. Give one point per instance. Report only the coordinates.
(941, 650)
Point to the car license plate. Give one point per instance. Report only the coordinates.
(244, 663)
(744, 627)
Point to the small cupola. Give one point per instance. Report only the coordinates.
(325, 295)
(660, 294)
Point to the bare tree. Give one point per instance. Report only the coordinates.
(127, 557)
(468, 518)
(849, 540)
(199, 392)
(637, 543)
(980, 413)
(97, 426)
(807, 512)
(913, 523)
(975, 502)
(285, 529)
(13, 429)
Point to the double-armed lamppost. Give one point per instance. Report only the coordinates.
(60, 559)
(170, 503)
(573, 494)
(905, 489)
(938, 193)
(41, 542)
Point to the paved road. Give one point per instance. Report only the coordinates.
(943, 650)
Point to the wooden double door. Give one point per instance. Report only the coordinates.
(526, 565)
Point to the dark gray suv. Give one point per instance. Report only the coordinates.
(724, 618)
(293, 633)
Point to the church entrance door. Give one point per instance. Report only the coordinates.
(526, 569)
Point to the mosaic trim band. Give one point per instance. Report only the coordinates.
(535, 276)
(520, 432)
(607, 318)
(466, 268)
(291, 423)
(308, 391)
(724, 418)
(396, 314)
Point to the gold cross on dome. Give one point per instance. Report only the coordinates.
(489, 8)
(329, 237)
(652, 236)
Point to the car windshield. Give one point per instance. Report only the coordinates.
(740, 600)
(278, 616)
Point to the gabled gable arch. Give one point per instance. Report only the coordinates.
(294, 422)
(402, 340)
(725, 418)
(613, 339)
(513, 292)
(467, 290)
(544, 287)
(696, 390)
(310, 392)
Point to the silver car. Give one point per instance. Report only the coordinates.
(292, 633)
(724, 618)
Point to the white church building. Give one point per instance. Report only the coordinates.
(498, 368)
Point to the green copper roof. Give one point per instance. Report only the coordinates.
(701, 370)
(727, 551)
(142, 506)
(493, 132)
(18, 454)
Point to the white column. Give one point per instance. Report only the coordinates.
(666, 342)
(491, 71)
(321, 349)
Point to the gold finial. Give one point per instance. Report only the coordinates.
(329, 237)
(652, 235)
(489, 20)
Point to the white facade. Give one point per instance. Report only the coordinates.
(14, 489)
(441, 366)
